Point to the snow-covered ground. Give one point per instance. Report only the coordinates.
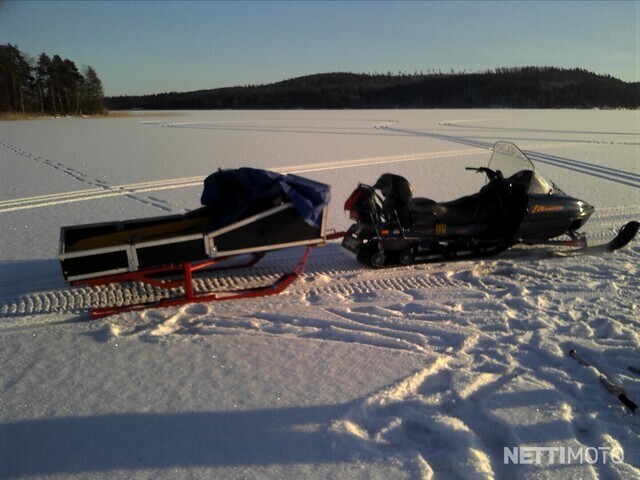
(444, 371)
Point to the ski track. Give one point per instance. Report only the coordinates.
(493, 334)
(103, 189)
(463, 124)
(135, 189)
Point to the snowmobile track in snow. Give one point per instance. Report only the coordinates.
(330, 274)
(325, 276)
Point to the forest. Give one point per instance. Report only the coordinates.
(47, 86)
(523, 87)
(55, 86)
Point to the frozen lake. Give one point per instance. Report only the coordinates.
(586, 152)
(420, 372)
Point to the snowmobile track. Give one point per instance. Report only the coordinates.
(311, 284)
(330, 274)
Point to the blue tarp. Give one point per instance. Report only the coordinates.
(242, 192)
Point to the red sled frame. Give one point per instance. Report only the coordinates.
(157, 277)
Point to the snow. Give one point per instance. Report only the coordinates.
(420, 372)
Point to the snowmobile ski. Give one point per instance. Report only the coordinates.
(624, 236)
(611, 387)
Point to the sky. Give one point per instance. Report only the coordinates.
(146, 47)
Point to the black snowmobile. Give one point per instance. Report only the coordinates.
(516, 205)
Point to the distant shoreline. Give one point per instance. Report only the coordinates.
(136, 113)
(519, 88)
(14, 117)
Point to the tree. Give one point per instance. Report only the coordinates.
(50, 85)
(72, 83)
(44, 85)
(92, 93)
(66, 86)
(15, 79)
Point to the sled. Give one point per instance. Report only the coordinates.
(246, 213)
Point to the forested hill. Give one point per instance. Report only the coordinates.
(530, 87)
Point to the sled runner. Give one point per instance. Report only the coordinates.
(246, 212)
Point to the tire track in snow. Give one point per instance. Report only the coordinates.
(362, 162)
(134, 190)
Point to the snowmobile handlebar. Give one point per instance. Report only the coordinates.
(491, 174)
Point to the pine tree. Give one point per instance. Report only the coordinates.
(92, 93)
(44, 83)
(15, 80)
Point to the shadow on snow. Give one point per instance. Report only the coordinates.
(133, 441)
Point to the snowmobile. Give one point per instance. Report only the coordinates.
(516, 205)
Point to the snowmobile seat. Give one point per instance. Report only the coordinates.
(470, 209)
(460, 211)
(422, 212)
(463, 210)
(422, 205)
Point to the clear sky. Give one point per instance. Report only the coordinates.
(143, 47)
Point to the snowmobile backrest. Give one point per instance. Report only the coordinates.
(355, 197)
(362, 205)
(395, 187)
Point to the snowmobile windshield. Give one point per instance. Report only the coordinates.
(541, 185)
(509, 159)
(516, 166)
